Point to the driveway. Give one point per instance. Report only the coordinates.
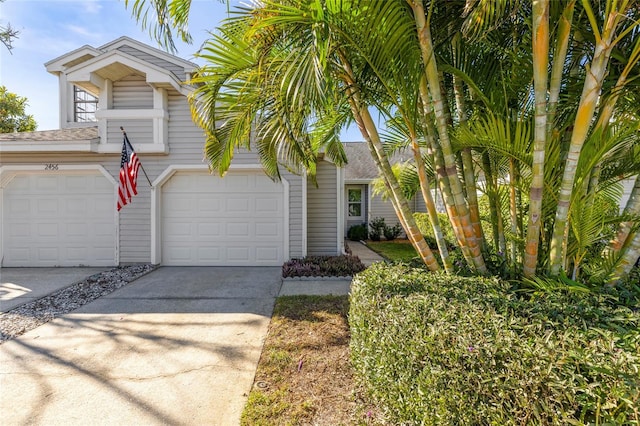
(22, 285)
(178, 346)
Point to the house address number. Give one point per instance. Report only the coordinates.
(51, 167)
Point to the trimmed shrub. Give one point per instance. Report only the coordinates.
(392, 232)
(377, 226)
(323, 266)
(358, 232)
(436, 349)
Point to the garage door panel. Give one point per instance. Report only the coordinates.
(209, 206)
(238, 230)
(76, 230)
(208, 230)
(45, 184)
(267, 254)
(46, 206)
(47, 230)
(231, 219)
(268, 205)
(209, 254)
(20, 230)
(238, 205)
(47, 254)
(267, 230)
(19, 208)
(234, 182)
(59, 220)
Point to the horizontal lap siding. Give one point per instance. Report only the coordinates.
(132, 92)
(322, 220)
(138, 131)
(384, 209)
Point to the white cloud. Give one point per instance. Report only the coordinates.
(81, 31)
(91, 6)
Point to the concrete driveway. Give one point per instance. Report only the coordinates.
(22, 285)
(177, 346)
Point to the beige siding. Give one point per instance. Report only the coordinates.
(174, 68)
(322, 220)
(383, 208)
(138, 131)
(132, 92)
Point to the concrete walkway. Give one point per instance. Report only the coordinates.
(22, 285)
(366, 255)
(178, 346)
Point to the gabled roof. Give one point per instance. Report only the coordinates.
(360, 166)
(115, 64)
(124, 40)
(146, 57)
(72, 58)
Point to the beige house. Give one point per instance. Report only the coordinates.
(58, 189)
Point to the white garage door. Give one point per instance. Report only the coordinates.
(62, 219)
(232, 221)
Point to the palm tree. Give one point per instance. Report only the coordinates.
(527, 112)
(606, 34)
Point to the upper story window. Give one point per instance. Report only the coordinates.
(84, 106)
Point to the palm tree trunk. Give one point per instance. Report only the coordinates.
(467, 160)
(399, 202)
(513, 211)
(630, 255)
(433, 81)
(425, 188)
(586, 109)
(540, 64)
(441, 175)
(559, 57)
(632, 209)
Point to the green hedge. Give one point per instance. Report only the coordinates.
(424, 224)
(435, 349)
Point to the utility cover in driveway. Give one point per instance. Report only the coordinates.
(237, 220)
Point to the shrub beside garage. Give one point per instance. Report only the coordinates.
(437, 349)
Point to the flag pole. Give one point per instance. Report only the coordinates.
(141, 166)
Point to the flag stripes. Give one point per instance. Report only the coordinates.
(129, 165)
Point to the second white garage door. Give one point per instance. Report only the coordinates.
(238, 220)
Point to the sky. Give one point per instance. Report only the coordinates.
(51, 28)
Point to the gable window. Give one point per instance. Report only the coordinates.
(84, 106)
(354, 200)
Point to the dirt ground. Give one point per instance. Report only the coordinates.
(304, 376)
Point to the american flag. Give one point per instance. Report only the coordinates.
(129, 165)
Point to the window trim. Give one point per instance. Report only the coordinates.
(349, 203)
(86, 99)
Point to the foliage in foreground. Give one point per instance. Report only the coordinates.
(323, 266)
(436, 349)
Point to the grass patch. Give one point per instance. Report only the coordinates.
(304, 375)
(396, 250)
